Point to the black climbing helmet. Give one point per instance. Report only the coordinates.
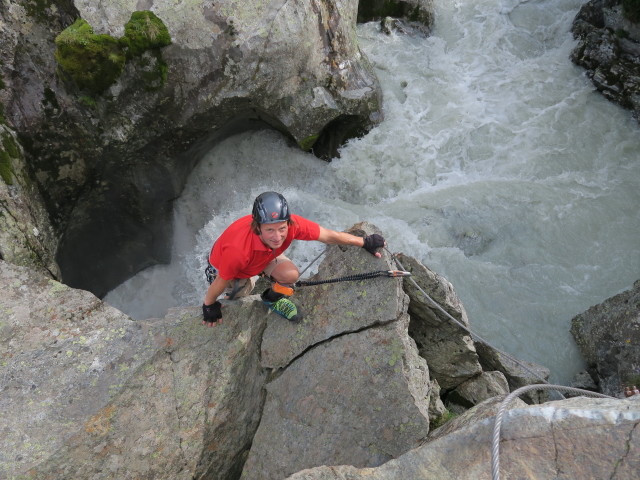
(270, 207)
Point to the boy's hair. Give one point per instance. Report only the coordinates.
(255, 226)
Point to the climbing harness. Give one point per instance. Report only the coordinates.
(211, 273)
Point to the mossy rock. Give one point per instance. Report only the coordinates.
(307, 143)
(8, 151)
(154, 72)
(144, 31)
(93, 61)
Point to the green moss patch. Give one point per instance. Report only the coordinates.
(144, 31)
(442, 419)
(93, 61)
(308, 142)
(7, 153)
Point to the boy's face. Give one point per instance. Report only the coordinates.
(273, 235)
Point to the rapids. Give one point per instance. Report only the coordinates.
(497, 165)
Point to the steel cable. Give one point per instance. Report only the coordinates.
(495, 450)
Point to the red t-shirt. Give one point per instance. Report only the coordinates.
(239, 252)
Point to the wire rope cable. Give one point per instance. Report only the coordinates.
(390, 273)
(495, 451)
(495, 441)
(467, 329)
(312, 262)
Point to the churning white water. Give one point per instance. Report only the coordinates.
(497, 165)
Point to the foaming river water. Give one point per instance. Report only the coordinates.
(497, 165)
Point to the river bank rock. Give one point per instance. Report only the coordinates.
(609, 48)
(569, 439)
(463, 367)
(608, 335)
(170, 398)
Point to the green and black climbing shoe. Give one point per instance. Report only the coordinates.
(286, 308)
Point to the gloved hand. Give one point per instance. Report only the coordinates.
(212, 313)
(372, 243)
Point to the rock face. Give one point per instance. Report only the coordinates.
(108, 162)
(462, 367)
(609, 48)
(608, 336)
(448, 349)
(354, 389)
(570, 439)
(26, 236)
(89, 393)
(86, 392)
(169, 398)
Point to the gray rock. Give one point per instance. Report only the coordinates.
(608, 48)
(518, 373)
(360, 399)
(169, 398)
(447, 347)
(608, 336)
(584, 381)
(26, 235)
(437, 410)
(353, 388)
(334, 309)
(478, 389)
(483, 410)
(89, 393)
(575, 438)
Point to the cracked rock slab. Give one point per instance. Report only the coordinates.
(565, 440)
(360, 398)
(334, 309)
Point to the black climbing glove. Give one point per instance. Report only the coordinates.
(372, 243)
(212, 313)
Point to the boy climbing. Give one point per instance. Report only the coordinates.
(254, 244)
